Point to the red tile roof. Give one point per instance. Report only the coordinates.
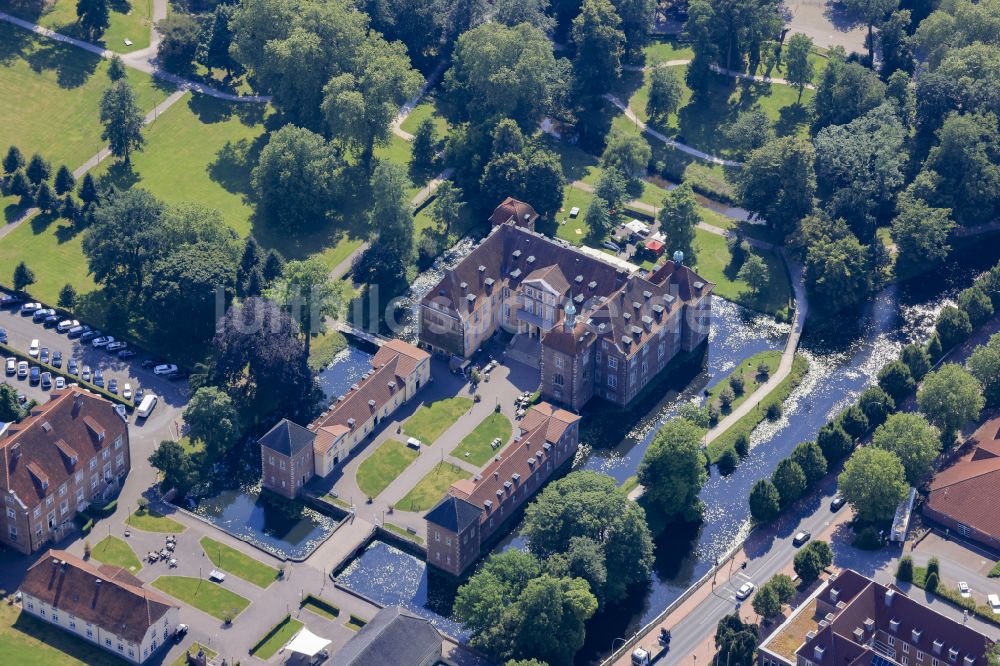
(108, 597)
(965, 491)
(36, 448)
(509, 209)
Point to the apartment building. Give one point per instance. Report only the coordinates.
(68, 453)
(475, 509)
(854, 621)
(106, 606)
(291, 454)
(596, 327)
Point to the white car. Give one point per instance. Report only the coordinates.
(30, 307)
(994, 602)
(964, 590)
(22, 369)
(33, 348)
(66, 324)
(103, 341)
(746, 589)
(165, 369)
(60, 382)
(11, 365)
(127, 392)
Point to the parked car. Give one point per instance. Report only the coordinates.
(177, 375)
(56, 359)
(60, 383)
(612, 246)
(11, 365)
(90, 335)
(117, 346)
(801, 537)
(51, 321)
(33, 348)
(964, 589)
(43, 355)
(165, 369)
(38, 315)
(22, 369)
(28, 308)
(102, 341)
(148, 363)
(113, 386)
(182, 629)
(72, 367)
(77, 331)
(36, 374)
(994, 601)
(46, 381)
(99, 378)
(746, 589)
(127, 391)
(126, 353)
(3, 335)
(838, 503)
(139, 393)
(85, 375)
(9, 300)
(67, 324)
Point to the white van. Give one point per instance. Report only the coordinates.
(146, 406)
(994, 602)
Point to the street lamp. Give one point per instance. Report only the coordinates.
(613, 644)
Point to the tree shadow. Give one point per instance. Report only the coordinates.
(234, 163)
(73, 68)
(791, 118)
(120, 6)
(121, 175)
(702, 119)
(210, 109)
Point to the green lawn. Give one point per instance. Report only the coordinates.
(751, 378)
(27, 640)
(432, 487)
(52, 249)
(320, 606)
(431, 420)
(204, 595)
(383, 466)
(666, 48)
(403, 532)
(701, 122)
(112, 550)
(151, 521)
(52, 93)
(476, 447)
(237, 563)
(750, 421)
(201, 150)
(715, 263)
(276, 638)
(129, 20)
(426, 109)
(193, 649)
(324, 347)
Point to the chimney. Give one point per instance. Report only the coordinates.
(889, 596)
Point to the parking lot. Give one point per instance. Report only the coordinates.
(171, 395)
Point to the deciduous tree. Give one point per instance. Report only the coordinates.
(984, 365)
(765, 502)
(778, 183)
(950, 397)
(874, 482)
(123, 120)
(679, 216)
(797, 64)
(600, 44)
(212, 419)
(665, 95)
(673, 470)
(913, 439)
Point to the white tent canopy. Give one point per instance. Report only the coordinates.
(306, 642)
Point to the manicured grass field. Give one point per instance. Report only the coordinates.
(403, 532)
(476, 446)
(52, 92)
(27, 640)
(320, 606)
(129, 20)
(383, 466)
(151, 521)
(426, 109)
(751, 378)
(193, 648)
(662, 50)
(52, 249)
(112, 550)
(431, 420)
(432, 487)
(201, 150)
(204, 595)
(276, 638)
(715, 263)
(237, 563)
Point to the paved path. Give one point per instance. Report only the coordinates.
(407, 108)
(139, 60)
(718, 70)
(684, 148)
(94, 160)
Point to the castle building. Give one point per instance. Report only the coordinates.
(291, 454)
(595, 326)
(474, 509)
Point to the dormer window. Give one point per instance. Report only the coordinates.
(507, 485)
(970, 660)
(869, 624)
(592, 284)
(916, 634)
(938, 646)
(499, 493)
(531, 259)
(818, 652)
(516, 478)
(894, 625)
(647, 295)
(517, 254)
(488, 504)
(952, 654)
